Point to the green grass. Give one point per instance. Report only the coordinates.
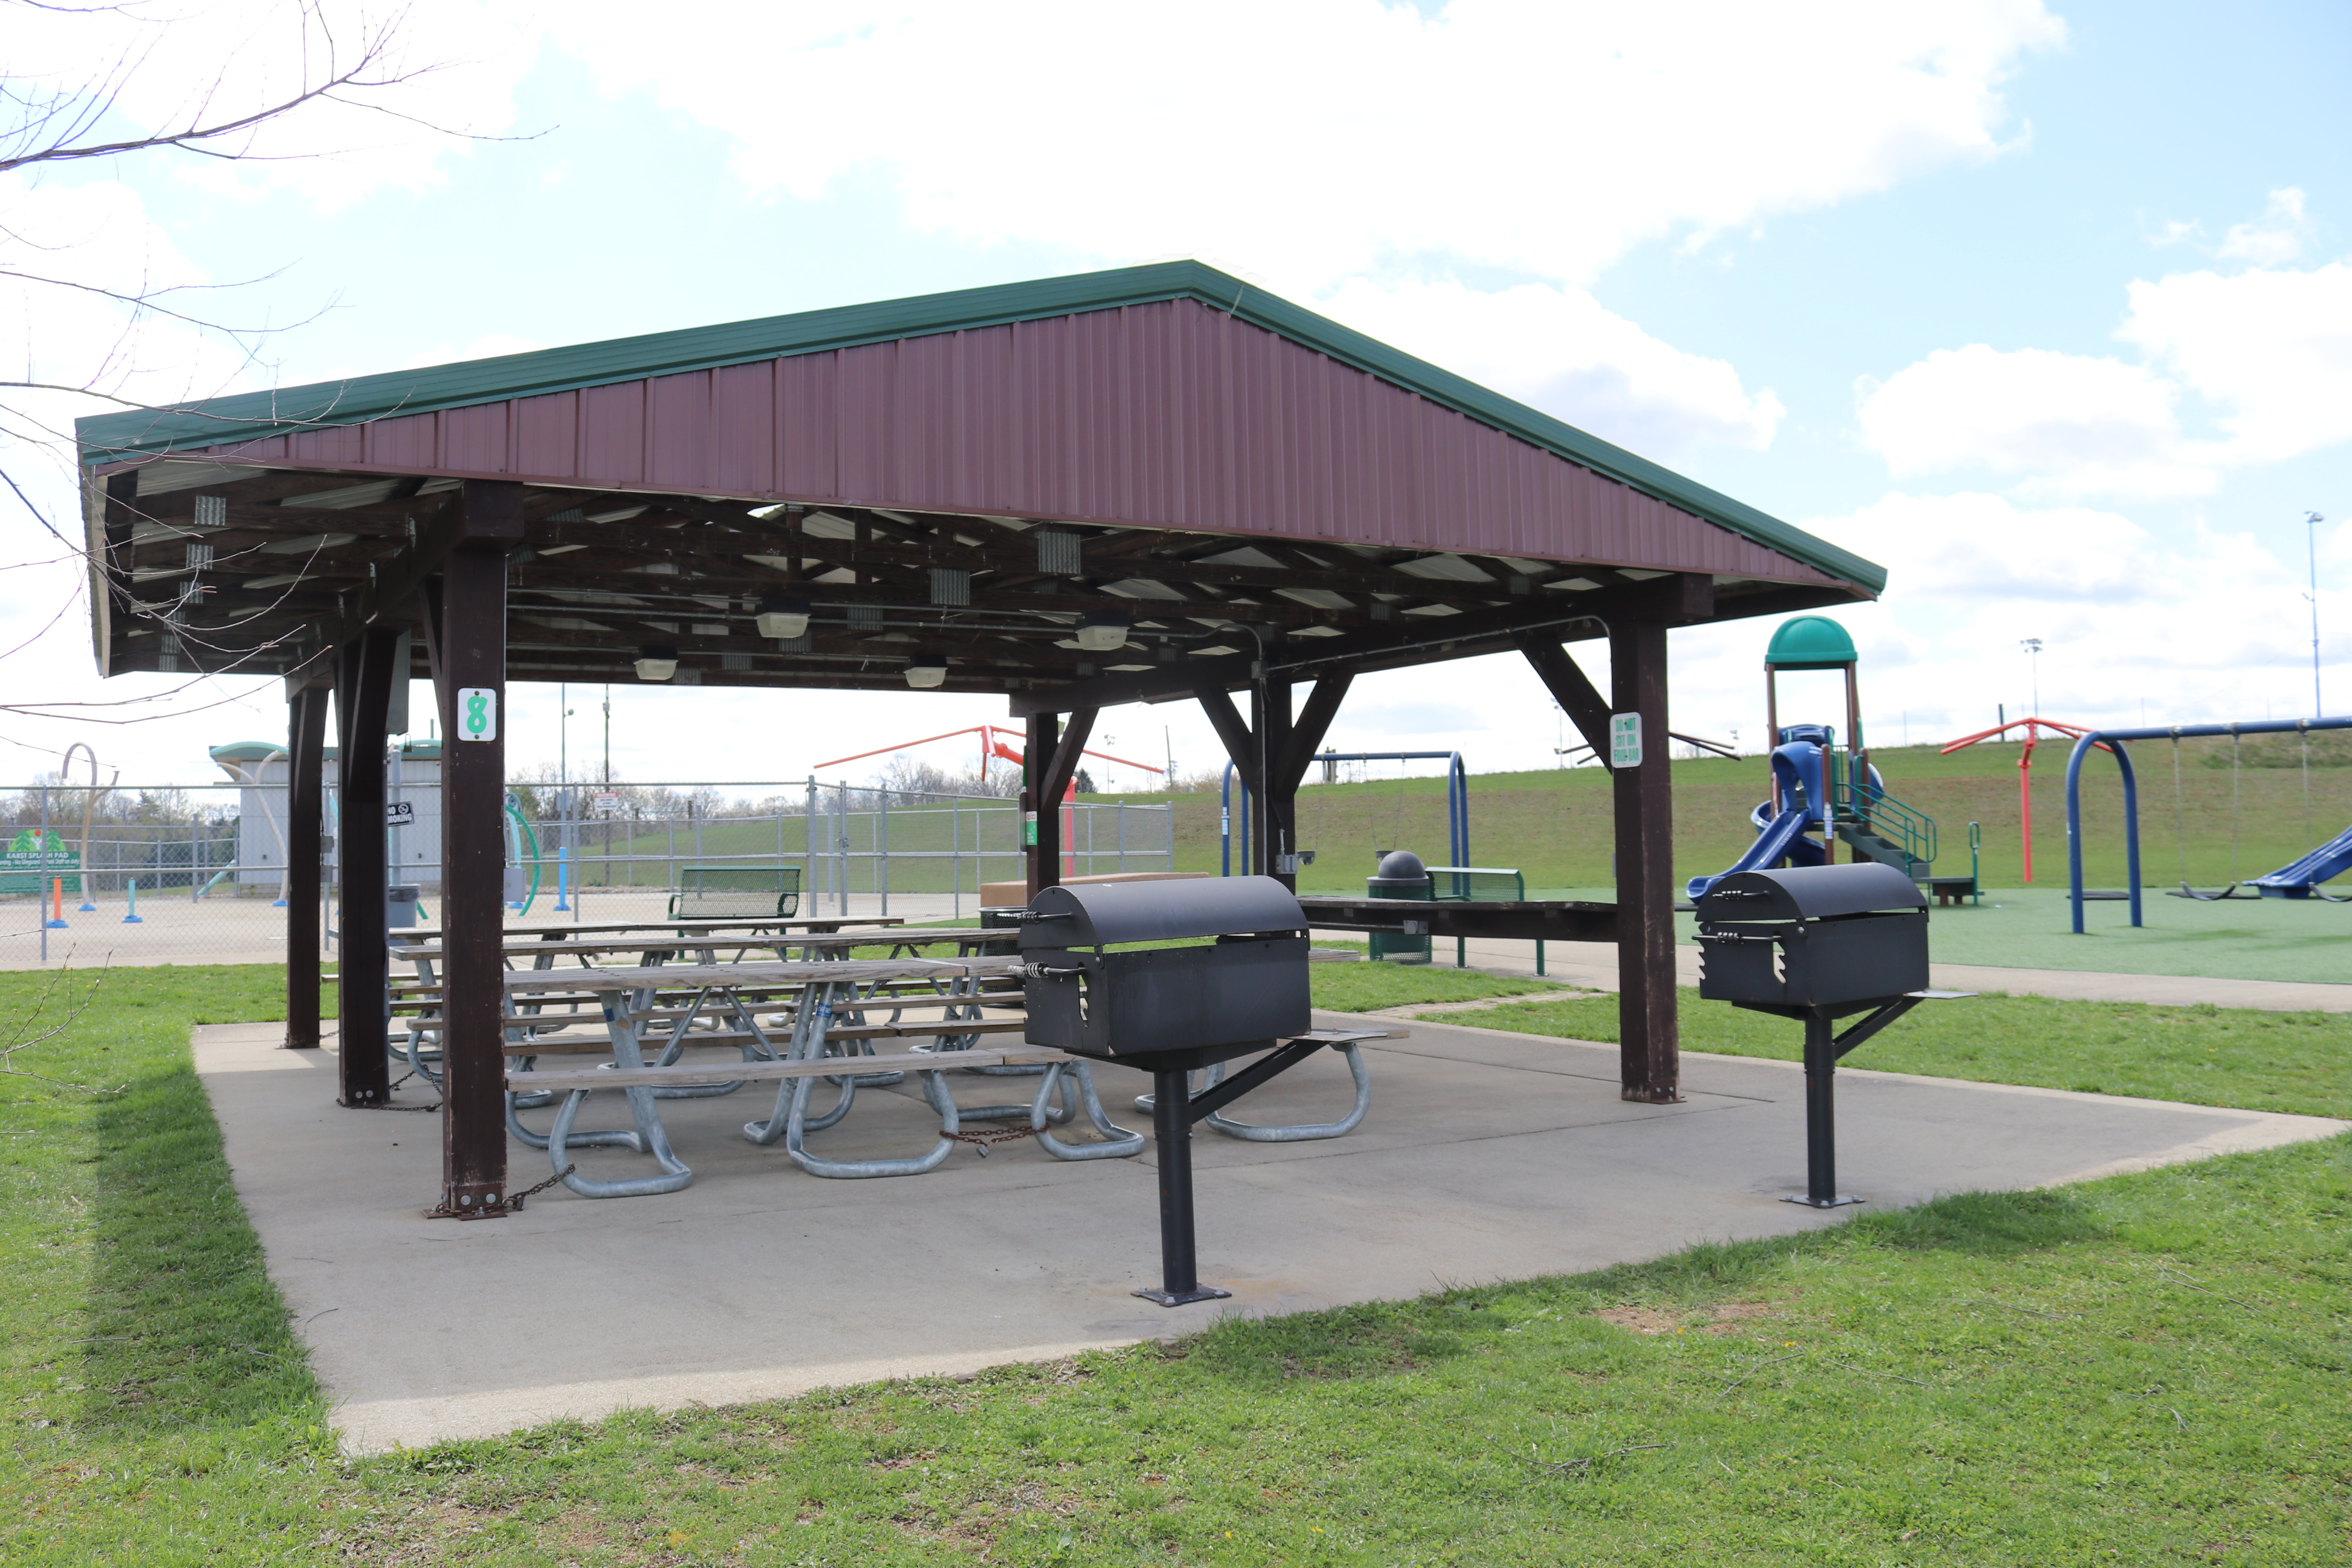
(2148, 1368)
(2298, 1062)
(1363, 986)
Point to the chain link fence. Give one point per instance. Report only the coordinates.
(195, 873)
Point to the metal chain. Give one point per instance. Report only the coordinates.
(981, 1140)
(513, 1205)
(515, 1201)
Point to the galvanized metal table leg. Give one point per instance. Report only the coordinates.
(648, 1137)
(1116, 1143)
(1172, 1137)
(1301, 1134)
(810, 1020)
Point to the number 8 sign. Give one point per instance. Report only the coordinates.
(478, 713)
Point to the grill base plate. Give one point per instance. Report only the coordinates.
(1182, 1297)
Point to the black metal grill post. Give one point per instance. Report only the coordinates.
(1172, 1137)
(1821, 1114)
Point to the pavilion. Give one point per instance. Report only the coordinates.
(1146, 485)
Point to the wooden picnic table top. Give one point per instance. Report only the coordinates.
(675, 976)
(888, 935)
(557, 929)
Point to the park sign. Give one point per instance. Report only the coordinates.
(26, 867)
(1624, 741)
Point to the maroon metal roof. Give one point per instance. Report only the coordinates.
(1169, 415)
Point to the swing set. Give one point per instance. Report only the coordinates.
(2299, 879)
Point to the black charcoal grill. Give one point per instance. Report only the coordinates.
(1817, 943)
(1170, 1008)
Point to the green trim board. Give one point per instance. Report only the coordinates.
(106, 438)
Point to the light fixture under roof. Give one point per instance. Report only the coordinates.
(783, 616)
(1100, 631)
(926, 670)
(656, 661)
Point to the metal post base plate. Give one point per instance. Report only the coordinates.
(1812, 1203)
(1179, 1298)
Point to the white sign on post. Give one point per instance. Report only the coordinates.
(478, 713)
(607, 803)
(1624, 740)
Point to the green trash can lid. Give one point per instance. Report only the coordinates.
(1809, 642)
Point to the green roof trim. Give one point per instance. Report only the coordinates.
(1809, 642)
(243, 416)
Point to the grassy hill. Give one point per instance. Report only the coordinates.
(1554, 825)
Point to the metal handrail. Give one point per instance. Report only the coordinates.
(1865, 804)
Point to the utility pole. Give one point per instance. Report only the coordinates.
(2311, 521)
(608, 737)
(562, 734)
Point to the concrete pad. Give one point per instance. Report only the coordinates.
(1488, 1155)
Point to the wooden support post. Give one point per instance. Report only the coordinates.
(1041, 817)
(470, 648)
(1649, 1052)
(364, 678)
(1048, 763)
(1274, 803)
(306, 741)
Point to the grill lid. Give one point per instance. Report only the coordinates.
(1809, 892)
(1098, 913)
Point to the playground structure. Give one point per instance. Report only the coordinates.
(1813, 787)
(2024, 766)
(1457, 807)
(2300, 878)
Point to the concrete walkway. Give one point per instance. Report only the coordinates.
(1487, 1156)
(1593, 965)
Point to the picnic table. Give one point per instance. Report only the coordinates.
(893, 935)
(555, 929)
(812, 1048)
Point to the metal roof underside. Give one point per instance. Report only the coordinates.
(108, 441)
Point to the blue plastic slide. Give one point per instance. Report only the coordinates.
(1783, 839)
(2330, 860)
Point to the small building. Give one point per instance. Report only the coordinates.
(411, 779)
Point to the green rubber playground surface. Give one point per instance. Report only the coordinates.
(2032, 928)
(2237, 939)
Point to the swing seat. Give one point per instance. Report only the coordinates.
(2186, 891)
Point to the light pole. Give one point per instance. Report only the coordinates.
(2032, 646)
(2311, 521)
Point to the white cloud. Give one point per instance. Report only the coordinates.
(2273, 240)
(1559, 349)
(2261, 359)
(1974, 546)
(1318, 138)
(2202, 626)
(2269, 349)
(2085, 425)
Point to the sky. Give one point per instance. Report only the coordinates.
(2046, 307)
